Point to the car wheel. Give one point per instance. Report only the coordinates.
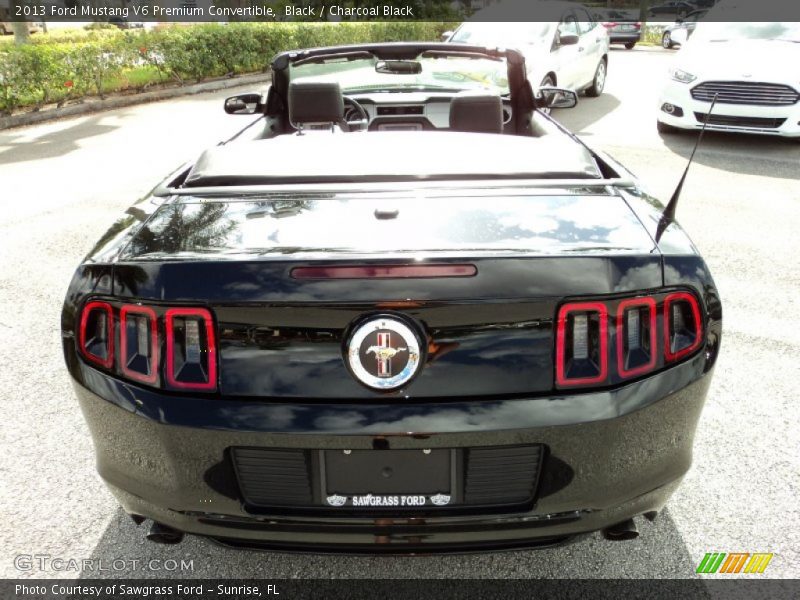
(599, 81)
(666, 40)
(630, 45)
(664, 128)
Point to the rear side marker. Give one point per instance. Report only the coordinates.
(384, 272)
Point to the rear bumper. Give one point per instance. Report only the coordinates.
(610, 456)
(624, 37)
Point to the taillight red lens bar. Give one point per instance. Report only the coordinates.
(188, 336)
(583, 337)
(583, 330)
(683, 335)
(138, 343)
(191, 351)
(96, 334)
(632, 361)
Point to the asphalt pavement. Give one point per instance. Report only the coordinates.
(63, 183)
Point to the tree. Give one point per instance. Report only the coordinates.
(644, 6)
(21, 34)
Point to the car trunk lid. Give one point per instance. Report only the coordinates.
(486, 325)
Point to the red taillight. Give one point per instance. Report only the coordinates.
(637, 25)
(587, 342)
(138, 343)
(582, 344)
(96, 333)
(609, 25)
(191, 350)
(683, 327)
(636, 336)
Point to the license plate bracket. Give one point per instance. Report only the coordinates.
(396, 479)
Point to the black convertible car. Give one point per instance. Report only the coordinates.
(403, 310)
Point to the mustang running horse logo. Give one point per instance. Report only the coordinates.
(384, 353)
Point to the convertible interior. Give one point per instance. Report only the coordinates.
(322, 106)
(398, 87)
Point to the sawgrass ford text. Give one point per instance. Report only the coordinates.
(265, 12)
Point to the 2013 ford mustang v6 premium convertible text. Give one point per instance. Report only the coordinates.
(402, 311)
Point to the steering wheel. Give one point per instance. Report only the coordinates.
(363, 115)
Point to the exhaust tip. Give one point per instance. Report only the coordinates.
(162, 534)
(651, 516)
(626, 530)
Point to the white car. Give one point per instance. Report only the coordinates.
(750, 67)
(571, 52)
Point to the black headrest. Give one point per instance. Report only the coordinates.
(315, 102)
(476, 113)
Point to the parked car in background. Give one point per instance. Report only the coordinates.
(680, 31)
(623, 27)
(121, 23)
(571, 51)
(671, 9)
(745, 66)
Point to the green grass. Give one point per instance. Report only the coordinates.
(134, 79)
(652, 35)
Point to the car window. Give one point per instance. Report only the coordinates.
(585, 21)
(568, 25)
(507, 34)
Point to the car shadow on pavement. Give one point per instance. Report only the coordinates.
(740, 153)
(58, 142)
(659, 552)
(587, 112)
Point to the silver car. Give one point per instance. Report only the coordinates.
(680, 31)
(571, 52)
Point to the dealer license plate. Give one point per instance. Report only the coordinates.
(394, 479)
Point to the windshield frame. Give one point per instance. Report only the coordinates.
(356, 73)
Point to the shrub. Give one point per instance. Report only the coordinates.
(14, 82)
(92, 63)
(76, 63)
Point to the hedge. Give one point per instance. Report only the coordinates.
(69, 66)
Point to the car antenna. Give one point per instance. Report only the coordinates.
(668, 216)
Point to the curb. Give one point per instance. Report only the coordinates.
(75, 110)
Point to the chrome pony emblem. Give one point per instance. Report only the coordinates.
(384, 353)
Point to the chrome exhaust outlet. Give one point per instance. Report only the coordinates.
(626, 530)
(162, 534)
